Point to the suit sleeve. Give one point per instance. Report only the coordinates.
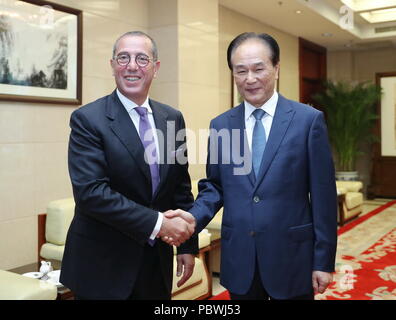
(210, 196)
(323, 195)
(93, 194)
(183, 197)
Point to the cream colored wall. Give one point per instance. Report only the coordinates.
(187, 36)
(340, 65)
(34, 137)
(361, 66)
(198, 74)
(163, 27)
(231, 24)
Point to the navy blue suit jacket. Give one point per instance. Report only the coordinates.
(115, 211)
(287, 217)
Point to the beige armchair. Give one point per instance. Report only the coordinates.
(350, 200)
(52, 231)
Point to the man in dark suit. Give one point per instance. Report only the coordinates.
(278, 233)
(124, 177)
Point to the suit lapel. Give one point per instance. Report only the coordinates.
(124, 129)
(282, 118)
(160, 119)
(237, 122)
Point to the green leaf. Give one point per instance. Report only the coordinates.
(351, 114)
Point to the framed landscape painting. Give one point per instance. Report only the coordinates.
(40, 52)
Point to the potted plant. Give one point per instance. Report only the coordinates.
(350, 113)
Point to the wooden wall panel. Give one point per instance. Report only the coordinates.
(313, 70)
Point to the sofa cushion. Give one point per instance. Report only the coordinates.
(215, 234)
(204, 239)
(17, 287)
(51, 251)
(59, 216)
(353, 199)
(215, 223)
(351, 186)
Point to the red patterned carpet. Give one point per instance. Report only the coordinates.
(366, 259)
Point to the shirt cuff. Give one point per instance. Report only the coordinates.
(157, 227)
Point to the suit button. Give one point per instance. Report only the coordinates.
(252, 233)
(256, 199)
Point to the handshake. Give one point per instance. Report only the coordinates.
(177, 227)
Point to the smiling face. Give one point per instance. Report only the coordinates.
(253, 71)
(132, 80)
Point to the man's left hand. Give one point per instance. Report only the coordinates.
(321, 280)
(185, 267)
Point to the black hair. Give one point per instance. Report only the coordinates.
(264, 37)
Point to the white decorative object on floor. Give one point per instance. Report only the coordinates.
(54, 277)
(45, 269)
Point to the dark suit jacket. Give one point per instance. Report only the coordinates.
(115, 211)
(287, 217)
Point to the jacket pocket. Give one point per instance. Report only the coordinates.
(301, 233)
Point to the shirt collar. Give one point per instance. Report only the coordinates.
(269, 107)
(130, 105)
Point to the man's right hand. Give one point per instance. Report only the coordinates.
(177, 226)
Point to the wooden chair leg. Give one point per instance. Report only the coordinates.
(341, 200)
(41, 220)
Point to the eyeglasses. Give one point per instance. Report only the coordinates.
(141, 59)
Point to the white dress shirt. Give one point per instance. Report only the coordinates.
(129, 106)
(269, 108)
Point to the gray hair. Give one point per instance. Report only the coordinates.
(138, 34)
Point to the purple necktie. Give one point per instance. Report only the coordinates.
(144, 126)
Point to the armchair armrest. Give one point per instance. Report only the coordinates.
(351, 186)
(17, 287)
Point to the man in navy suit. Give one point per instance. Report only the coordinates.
(274, 176)
(123, 182)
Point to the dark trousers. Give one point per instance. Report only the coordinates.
(150, 284)
(258, 292)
